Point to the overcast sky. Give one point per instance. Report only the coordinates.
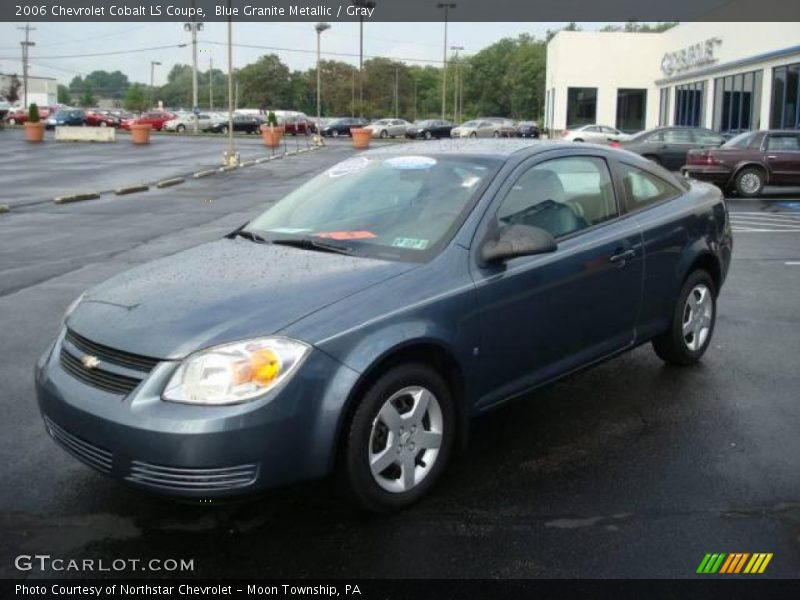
(58, 43)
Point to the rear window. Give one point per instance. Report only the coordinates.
(743, 140)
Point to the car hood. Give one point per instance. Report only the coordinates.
(222, 291)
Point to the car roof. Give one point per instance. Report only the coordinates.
(496, 148)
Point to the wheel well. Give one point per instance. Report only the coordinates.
(426, 353)
(757, 166)
(710, 265)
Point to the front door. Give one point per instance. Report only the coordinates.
(783, 157)
(542, 316)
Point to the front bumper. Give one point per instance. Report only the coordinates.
(198, 452)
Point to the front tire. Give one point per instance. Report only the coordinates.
(693, 320)
(750, 182)
(384, 134)
(399, 438)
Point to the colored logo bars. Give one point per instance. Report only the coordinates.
(735, 563)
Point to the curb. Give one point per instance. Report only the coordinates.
(4, 208)
(75, 198)
(170, 182)
(131, 189)
(205, 173)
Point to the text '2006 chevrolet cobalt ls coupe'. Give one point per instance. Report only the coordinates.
(357, 324)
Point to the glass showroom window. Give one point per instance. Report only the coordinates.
(689, 103)
(737, 102)
(581, 106)
(786, 97)
(631, 105)
(663, 107)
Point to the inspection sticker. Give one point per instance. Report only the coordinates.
(346, 235)
(412, 243)
(410, 162)
(348, 167)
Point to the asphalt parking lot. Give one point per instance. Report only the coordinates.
(632, 469)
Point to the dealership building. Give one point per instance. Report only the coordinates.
(726, 76)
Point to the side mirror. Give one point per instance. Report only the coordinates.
(518, 240)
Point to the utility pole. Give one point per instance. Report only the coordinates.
(396, 102)
(153, 65)
(353, 90)
(210, 84)
(415, 100)
(194, 27)
(457, 84)
(361, 4)
(446, 6)
(319, 27)
(231, 157)
(25, 51)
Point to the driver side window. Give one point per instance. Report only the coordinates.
(561, 196)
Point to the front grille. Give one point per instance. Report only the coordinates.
(94, 456)
(99, 378)
(110, 355)
(191, 479)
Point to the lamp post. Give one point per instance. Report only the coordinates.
(319, 27)
(457, 85)
(153, 65)
(446, 6)
(361, 4)
(193, 27)
(231, 157)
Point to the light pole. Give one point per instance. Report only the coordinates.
(361, 4)
(231, 157)
(456, 84)
(446, 6)
(153, 65)
(396, 103)
(194, 27)
(26, 45)
(319, 27)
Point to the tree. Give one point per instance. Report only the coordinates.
(265, 83)
(637, 27)
(87, 97)
(135, 98)
(12, 92)
(64, 97)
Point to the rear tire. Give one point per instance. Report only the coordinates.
(692, 324)
(399, 438)
(750, 182)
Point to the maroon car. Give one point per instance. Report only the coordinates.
(297, 124)
(96, 118)
(748, 162)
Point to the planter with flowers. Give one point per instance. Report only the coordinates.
(34, 128)
(271, 132)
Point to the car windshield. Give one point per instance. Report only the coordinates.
(743, 140)
(395, 207)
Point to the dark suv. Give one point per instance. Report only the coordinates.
(748, 162)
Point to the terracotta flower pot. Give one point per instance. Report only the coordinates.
(271, 136)
(34, 132)
(361, 137)
(140, 133)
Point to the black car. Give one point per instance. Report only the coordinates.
(430, 128)
(342, 126)
(668, 146)
(528, 129)
(241, 123)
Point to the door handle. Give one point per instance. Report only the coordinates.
(621, 258)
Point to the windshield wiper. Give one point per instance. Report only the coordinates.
(248, 235)
(309, 244)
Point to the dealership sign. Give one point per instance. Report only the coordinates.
(691, 57)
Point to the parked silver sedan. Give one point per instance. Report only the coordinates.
(594, 134)
(384, 128)
(478, 128)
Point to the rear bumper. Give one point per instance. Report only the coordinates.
(710, 174)
(197, 452)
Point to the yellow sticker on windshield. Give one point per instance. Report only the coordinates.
(411, 243)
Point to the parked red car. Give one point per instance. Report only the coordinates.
(94, 118)
(18, 117)
(295, 125)
(748, 162)
(155, 119)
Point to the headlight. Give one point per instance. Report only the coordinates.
(71, 308)
(234, 373)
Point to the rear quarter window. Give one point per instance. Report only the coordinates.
(645, 189)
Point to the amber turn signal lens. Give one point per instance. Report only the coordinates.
(265, 366)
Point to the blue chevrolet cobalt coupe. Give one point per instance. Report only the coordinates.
(358, 324)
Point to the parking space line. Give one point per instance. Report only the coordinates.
(792, 263)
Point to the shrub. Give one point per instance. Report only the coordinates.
(272, 120)
(33, 113)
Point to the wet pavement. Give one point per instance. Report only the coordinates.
(632, 469)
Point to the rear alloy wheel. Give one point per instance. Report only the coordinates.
(384, 134)
(496, 134)
(750, 182)
(181, 128)
(399, 439)
(693, 320)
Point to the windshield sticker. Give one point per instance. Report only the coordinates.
(348, 167)
(346, 235)
(411, 243)
(410, 162)
(289, 230)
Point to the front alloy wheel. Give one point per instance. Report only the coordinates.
(750, 182)
(399, 439)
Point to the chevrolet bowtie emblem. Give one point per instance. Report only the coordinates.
(90, 362)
